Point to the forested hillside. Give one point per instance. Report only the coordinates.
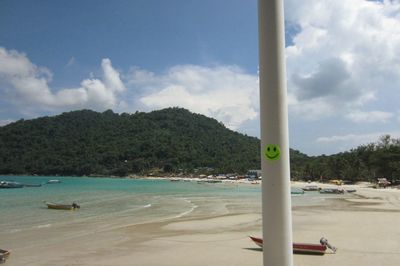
(89, 143)
(364, 163)
(171, 140)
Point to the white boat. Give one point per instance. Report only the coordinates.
(311, 188)
(53, 181)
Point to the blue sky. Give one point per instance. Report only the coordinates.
(343, 68)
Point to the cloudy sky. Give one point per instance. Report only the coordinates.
(342, 59)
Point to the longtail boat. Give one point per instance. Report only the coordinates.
(304, 248)
(10, 184)
(4, 254)
(57, 206)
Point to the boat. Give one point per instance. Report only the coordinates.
(296, 191)
(331, 191)
(304, 248)
(32, 185)
(10, 184)
(213, 181)
(53, 181)
(56, 206)
(311, 188)
(4, 254)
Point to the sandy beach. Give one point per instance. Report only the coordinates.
(364, 228)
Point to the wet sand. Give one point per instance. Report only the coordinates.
(364, 228)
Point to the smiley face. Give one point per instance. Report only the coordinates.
(272, 152)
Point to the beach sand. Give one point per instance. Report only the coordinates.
(364, 228)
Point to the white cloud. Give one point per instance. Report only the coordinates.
(5, 122)
(226, 93)
(27, 85)
(351, 141)
(345, 54)
(111, 77)
(70, 62)
(369, 117)
(353, 138)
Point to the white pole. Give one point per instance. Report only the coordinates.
(276, 201)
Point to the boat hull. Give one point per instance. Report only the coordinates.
(55, 206)
(331, 191)
(10, 184)
(299, 248)
(4, 254)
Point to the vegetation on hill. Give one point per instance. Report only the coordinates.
(171, 140)
(364, 163)
(90, 143)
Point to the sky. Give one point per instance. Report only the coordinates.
(342, 63)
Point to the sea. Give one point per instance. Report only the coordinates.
(111, 203)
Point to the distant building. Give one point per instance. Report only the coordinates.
(253, 174)
(382, 182)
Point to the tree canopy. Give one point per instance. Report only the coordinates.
(89, 143)
(171, 140)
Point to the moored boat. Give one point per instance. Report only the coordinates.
(331, 191)
(10, 184)
(32, 185)
(53, 181)
(57, 206)
(311, 188)
(296, 191)
(4, 254)
(304, 248)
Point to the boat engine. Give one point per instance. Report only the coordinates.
(324, 242)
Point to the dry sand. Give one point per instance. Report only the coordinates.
(365, 229)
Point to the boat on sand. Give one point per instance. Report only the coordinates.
(57, 206)
(304, 248)
(311, 188)
(331, 191)
(4, 254)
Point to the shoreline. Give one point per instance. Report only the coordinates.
(363, 226)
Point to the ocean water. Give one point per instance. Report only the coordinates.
(109, 203)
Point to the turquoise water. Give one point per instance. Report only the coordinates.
(110, 203)
(104, 202)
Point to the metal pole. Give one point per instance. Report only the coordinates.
(276, 201)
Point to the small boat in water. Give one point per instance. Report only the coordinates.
(304, 248)
(32, 185)
(57, 206)
(10, 184)
(53, 181)
(296, 191)
(4, 254)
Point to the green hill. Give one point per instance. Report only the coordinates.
(172, 140)
(90, 143)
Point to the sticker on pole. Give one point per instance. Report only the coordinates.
(272, 152)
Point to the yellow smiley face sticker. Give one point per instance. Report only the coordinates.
(272, 152)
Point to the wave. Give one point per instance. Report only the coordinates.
(194, 206)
